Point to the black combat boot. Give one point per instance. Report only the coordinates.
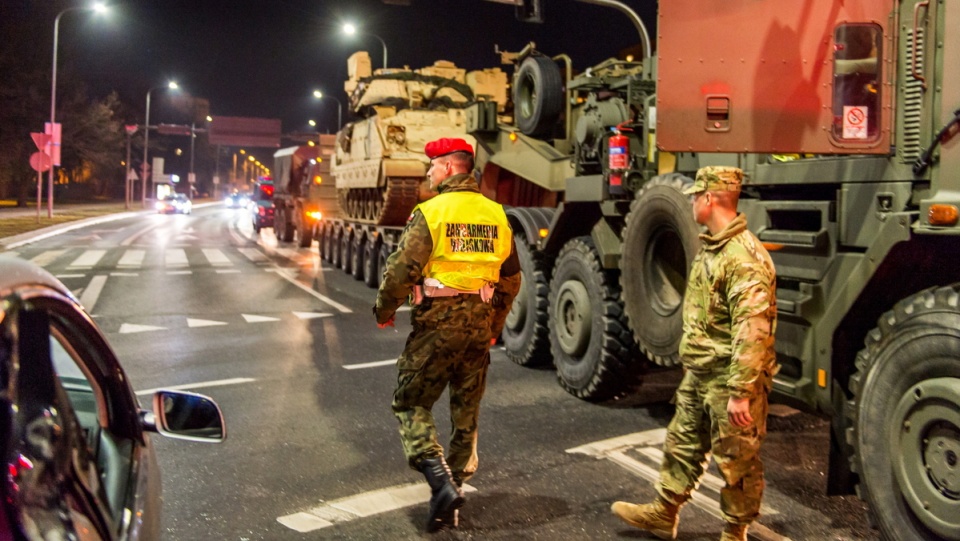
(446, 497)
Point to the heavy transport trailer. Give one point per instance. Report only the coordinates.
(304, 191)
(844, 117)
(359, 249)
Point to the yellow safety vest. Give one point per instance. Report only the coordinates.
(471, 239)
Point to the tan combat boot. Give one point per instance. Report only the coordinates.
(734, 532)
(659, 518)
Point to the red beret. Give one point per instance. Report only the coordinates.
(442, 147)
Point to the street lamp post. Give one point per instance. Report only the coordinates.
(350, 30)
(146, 144)
(98, 7)
(320, 95)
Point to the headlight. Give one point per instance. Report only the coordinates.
(159, 205)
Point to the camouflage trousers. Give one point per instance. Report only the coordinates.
(700, 427)
(449, 346)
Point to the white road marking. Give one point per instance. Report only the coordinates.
(124, 274)
(76, 225)
(203, 323)
(92, 292)
(132, 259)
(62, 276)
(311, 315)
(648, 444)
(88, 259)
(369, 365)
(200, 385)
(253, 254)
(216, 257)
(283, 274)
(12, 254)
(129, 328)
(179, 273)
(176, 258)
(47, 257)
(258, 319)
(228, 271)
(360, 506)
(404, 309)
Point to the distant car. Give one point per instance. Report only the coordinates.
(175, 204)
(236, 201)
(78, 460)
(262, 205)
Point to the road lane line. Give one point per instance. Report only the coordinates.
(198, 385)
(179, 273)
(124, 274)
(92, 292)
(62, 276)
(369, 365)
(132, 259)
(176, 258)
(216, 257)
(253, 254)
(360, 506)
(133, 238)
(281, 273)
(228, 271)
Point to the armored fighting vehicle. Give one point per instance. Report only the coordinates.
(379, 163)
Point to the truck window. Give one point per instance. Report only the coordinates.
(856, 82)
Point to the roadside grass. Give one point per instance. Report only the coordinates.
(65, 213)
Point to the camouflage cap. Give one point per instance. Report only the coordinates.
(716, 178)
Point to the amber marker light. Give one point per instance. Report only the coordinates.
(315, 215)
(543, 233)
(318, 179)
(822, 378)
(513, 137)
(940, 214)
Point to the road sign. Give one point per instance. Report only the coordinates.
(131, 129)
(40, 139)
(53, 145)
(40, 161)
(192, 178)
(132, 175)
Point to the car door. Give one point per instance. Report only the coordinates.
(77, 421)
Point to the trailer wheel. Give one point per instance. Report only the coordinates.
(660, 239)
(326, 234)
(371, 261)
(356, 255)
(336, 251)
(346, 251)
(538, 95)
(595, 355)
(526, 336)
(905, 418)
(283, 226)
(385, 251)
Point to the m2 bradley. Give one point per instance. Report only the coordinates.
(379, 165)
(844, 117)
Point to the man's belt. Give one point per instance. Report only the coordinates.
(434, 288)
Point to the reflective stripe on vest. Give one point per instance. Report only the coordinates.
(471, 239)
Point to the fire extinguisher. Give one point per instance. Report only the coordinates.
(619, 151)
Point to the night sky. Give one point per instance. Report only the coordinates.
(265, 58)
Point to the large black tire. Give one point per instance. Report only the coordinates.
(385, 251)
(660, 240)
(336, 252)
(346, 251)
(371, 262)
(283, 226)
(538, 95)
(905, 418)
(593, 350)
(526, 336)
(326, 242)
(356, 255)
(304, 232)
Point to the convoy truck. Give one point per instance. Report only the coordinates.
(844, 117)
(304, 191)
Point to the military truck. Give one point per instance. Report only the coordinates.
(304, 191)
(379, 166)
(844, 117)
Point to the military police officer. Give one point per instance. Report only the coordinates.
(456, 257)
(729, 318)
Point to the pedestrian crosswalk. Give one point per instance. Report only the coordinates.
(173, 260)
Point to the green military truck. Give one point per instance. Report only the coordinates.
(304, 192)
(844, 117)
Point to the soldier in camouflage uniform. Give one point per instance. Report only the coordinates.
(729, 318)
(452, 334)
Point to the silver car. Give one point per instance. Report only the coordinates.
(74, 440)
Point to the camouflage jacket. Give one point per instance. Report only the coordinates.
(730, 310)
(404, 267)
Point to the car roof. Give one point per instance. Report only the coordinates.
(16, 272)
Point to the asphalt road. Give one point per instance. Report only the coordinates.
(289, 349)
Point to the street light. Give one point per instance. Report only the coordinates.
(146, 142)
(98, 7)
(350, 30)
(319, 95)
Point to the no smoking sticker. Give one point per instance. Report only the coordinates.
(855, 122)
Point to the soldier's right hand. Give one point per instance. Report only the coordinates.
(387, 323)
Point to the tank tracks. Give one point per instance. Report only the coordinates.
(387, 205)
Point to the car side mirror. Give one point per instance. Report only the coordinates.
(188, 416)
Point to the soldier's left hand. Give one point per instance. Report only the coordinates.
(738, 410)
